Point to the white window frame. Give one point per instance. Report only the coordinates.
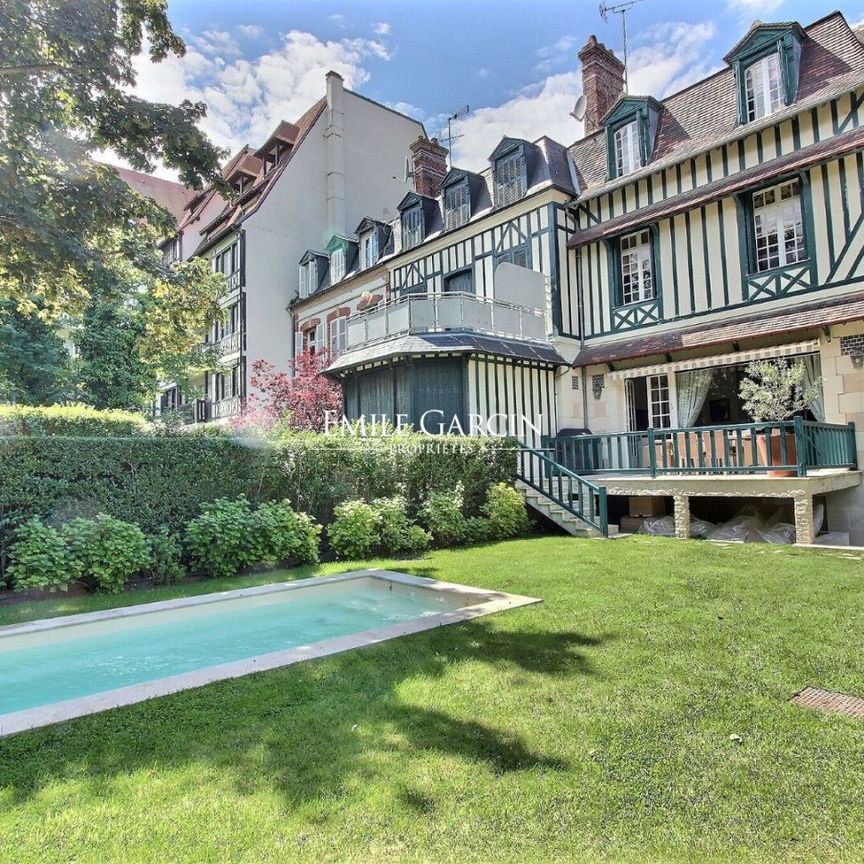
(763, 87)
(627, 150)
(337, 265)
(369, 246)
(659, 402)
(338, 334)
(637, 268)
(778, 226)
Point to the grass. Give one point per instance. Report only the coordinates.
(592, 727)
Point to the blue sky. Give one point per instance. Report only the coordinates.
(514, 63)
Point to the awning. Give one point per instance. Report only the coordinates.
(796, 349)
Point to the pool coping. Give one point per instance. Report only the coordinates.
(57, 712)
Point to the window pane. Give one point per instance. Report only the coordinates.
(658, 399)
(763, 86)
(778, 226)
(637, 276)
(627, 149)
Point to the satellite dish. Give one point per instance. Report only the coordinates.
(578, 112)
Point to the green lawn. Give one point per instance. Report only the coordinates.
(594, 726)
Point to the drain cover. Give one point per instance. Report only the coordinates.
(826, 700)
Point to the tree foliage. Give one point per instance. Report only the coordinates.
(34, 361)
(72, 232)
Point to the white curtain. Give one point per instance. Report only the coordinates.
(813, 375)
(692, 388)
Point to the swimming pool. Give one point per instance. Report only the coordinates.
(59, 668)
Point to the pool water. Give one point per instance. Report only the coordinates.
(66, 662)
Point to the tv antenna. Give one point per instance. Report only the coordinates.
(456, 115)
(620, 9)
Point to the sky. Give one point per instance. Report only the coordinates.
(514, 64)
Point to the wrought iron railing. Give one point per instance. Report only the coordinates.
(434, 313)
(789, 446)
(581, 497)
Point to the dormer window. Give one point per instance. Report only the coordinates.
(767, 63)
(627, 156)
(510, 179)
(412, 227)
(308, 275)
(369, 244)
(337, 264)
(457, 205)
(763, 85)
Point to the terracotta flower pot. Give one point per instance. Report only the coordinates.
(777, 453)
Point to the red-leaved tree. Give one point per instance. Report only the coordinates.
(298, 402)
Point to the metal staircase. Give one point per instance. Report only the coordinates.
(573, 503)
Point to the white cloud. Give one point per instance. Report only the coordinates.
(560, 54)
(246, 98)
(482, 72)
(339, 20)
(251, 31)
(751, 8)
(382, 28)
(670, 56)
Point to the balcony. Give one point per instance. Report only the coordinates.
(451, 312)
(224, 408)
(229, 344)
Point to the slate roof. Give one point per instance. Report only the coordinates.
(805, 317)
(170, 195)
(704, 115)
(445, 343)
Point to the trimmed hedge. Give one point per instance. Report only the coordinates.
(69, 420)
(161, 482)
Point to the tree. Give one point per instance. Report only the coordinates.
(297, 401)
(776, 390)
(110, 373)
(73, 233)
(34, 361)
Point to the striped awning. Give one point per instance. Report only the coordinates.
(795, 349)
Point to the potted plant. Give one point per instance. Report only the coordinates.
(773, 391)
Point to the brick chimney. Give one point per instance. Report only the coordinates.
(602, 81)
(430, 166)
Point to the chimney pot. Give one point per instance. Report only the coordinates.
(602, 81)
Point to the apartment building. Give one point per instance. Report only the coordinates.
(300, 190)
(619, 287)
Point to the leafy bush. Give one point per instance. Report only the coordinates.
(355, 531)
(393, 524)
(478, 530)
(41, 559)
(163, 480)
(221, 540)
(108, 550)
(505, 510)
(166, 555)
(416, 539)
(776, 389)
(442, 514)
(280, 534)
(68, 420)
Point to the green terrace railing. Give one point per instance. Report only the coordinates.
(788, 446)
(581, 497)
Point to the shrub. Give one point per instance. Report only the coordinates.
(220, 541)
(108, 551)
(166, 558)
(279, 534)
(355, 531)
(478, 530)
(505, 509)
(393, 524)
(416, 539)
(442, 514)
(41, 559)
(68, 420)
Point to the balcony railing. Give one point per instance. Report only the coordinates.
(232, 281)
(788, 447)
(437, 313)
(229, 343)
(222, 408)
